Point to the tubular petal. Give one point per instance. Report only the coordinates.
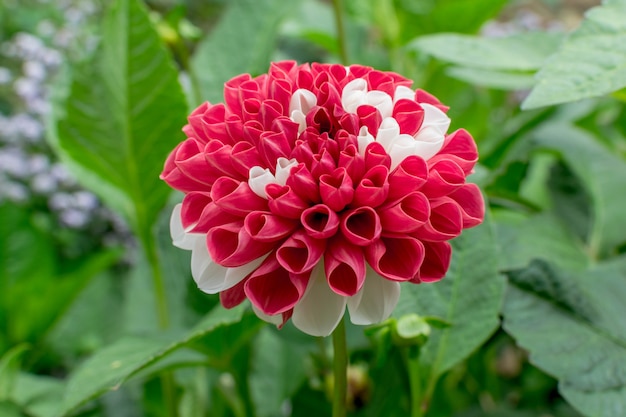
(264, 226)
(409, 116)
(353, 95)
(274, 290)
(319, 221)
(444, 177)
(302, 182)
(283, 201)
(283, 169)
(433, 116)
(407, 215)
(387, 132)
(471, 203)
(375, 301)
(460, 148)
(344, 265)
(336, 189)
(361, 226)
(373, 188)
(193, 205)
(300, 253)
(236, 197)
(410, 175)
(396, 258)
(258, 180)
(445, 222)
(230, 245)
(436, 261)
(307, 314)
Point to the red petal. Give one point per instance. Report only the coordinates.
(274, 290)
(375, 155)
(320, 222)
(265, 227)
(373, 189)
(444, 177)
(193, 205)
(230, 245)
(300, 253)
(344, 265)
(445, 222)
(407, 215)
(409, 176)
(244, 156)
(471, 203)
(369, 116)
(459, 146)
(233, 296)
(361, 226)
(409, 116)
(284, 202)
(396, 258)
(302, 182)
(213, 216)
(336, 189)
(436, 261)
(236, 197)
(231, 92)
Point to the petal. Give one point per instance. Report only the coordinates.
(236, 197)
(336, 189)
(436, 261)
(283, 169)
(364, 139)
(272, 289)
(266, 227)
(276, 319)
(376, 300)
(444, 177)
(320, 309)
(319, 221)
(373, 188)
(396, 258)
(471, 203)
(381, 101)
(407, 215)
(403, 92)
(445, 221)
(361, 226)
(387, 132)
(284, 202)
(436, 118)
(428, 141)
(344, 265)
(303, 101)
(460, 147)
(302, 182)
(410, 116)
(353, 95)
(181, 238)
(409, 176)
(258, 180)
(300, 253)
(230, 245)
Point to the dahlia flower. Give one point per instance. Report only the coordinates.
(319, 187)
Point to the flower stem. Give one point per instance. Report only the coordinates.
(158, 283)
(340, 370)
(415, 382)
(341, 32)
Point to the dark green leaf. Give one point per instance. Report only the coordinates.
(113, 365)
(242, 42)
(601, 172)
(524, 52)
(573, 326)
(590, 63)
(122, 117)
(468, 298)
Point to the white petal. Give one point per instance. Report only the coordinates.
(381, 101)
(302, 100)
(259, 178)
(433, 117)
(207, 274)
(320, 309)
(387, 132)
(375, 301)
(180, 237)
(364, 139)
(283, 169)
(403, 92)
(299, 117)
(276, 319)
(402, 147)
(235, 275)
(353, 95)
(428, 142)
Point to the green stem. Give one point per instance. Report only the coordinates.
(340, 370)
(341, 32)
(158, 283)
(415, 382)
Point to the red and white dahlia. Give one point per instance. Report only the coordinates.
(316, 187)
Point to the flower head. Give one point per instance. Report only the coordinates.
(316, 188)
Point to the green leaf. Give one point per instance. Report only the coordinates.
(499, 80)
(602, 173)
(122, 117)
(573, 326)
(537, 236)
(38, 396)
(468, 297)
(590, 63)
(523, 52)
(113, 365)
(10, 364)
(277, 372)
(242, 42)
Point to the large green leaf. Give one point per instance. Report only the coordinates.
(277, 372)
(573, 325)
(603, 174)
(242, 42)
(122, 117)
(468, 297)
(113, 365)
(523, 52)
(590, 63)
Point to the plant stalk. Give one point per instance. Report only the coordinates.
(340, 370)
(341, 32)
(415, 382)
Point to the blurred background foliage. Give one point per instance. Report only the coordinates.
(96, 319)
